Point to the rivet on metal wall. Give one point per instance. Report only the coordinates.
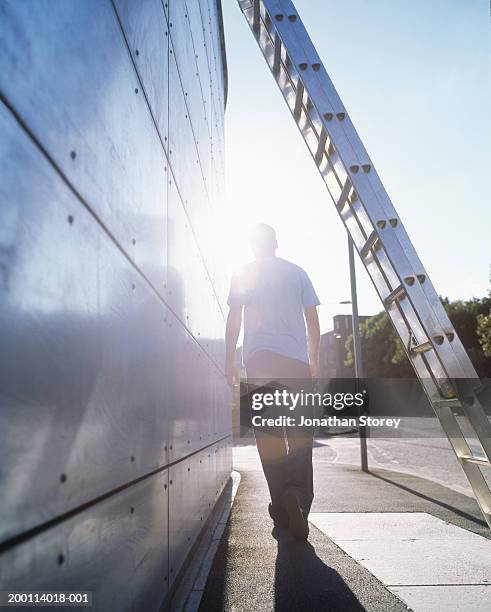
(133, 286)
(137, 52)
(170, 481)
(73, 154)
(61, 559)
(136, 90)
(62, 477)
(70, 219)
(132, 458)
(132, 510)
(133, 242)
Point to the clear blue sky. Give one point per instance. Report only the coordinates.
(415, 78)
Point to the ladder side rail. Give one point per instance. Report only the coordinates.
(472, 471)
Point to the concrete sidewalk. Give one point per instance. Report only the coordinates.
(255, 571)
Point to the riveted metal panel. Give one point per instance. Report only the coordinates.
(186, 514)
(195, 485)
(183, 154)
(75, 87)
(183, 46)
(146, 31)
(83, 349)
(194, 14)
(118, 549)
(189, 291)
(112, 332)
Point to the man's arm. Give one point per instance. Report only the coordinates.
(314, 338)
(232, 331)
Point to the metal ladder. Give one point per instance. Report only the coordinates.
(434, 349)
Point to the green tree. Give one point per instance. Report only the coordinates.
(383, 354)
(484, 332)
(466, 316)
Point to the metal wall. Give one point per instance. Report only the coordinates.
(114, 413)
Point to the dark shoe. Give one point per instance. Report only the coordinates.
(298, 526)
(279, 516)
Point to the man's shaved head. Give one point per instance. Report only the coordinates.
(263, 240)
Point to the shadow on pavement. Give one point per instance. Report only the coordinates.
(305, 582)
(438, 502)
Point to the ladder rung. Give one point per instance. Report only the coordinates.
(473, 459)
(344, 195)
(422, 348)
(257, 14)
(277, 53)
(298, 99)
(448, 402)
(397, 294)
(370, 243)
(321, 147)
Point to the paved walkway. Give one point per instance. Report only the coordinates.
(255, 571)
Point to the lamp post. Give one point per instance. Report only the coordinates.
(359, 373)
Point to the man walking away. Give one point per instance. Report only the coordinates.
(276, 299)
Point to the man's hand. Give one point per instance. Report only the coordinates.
(314, 338)
(232, 374)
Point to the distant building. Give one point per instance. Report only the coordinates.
(333, 351)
